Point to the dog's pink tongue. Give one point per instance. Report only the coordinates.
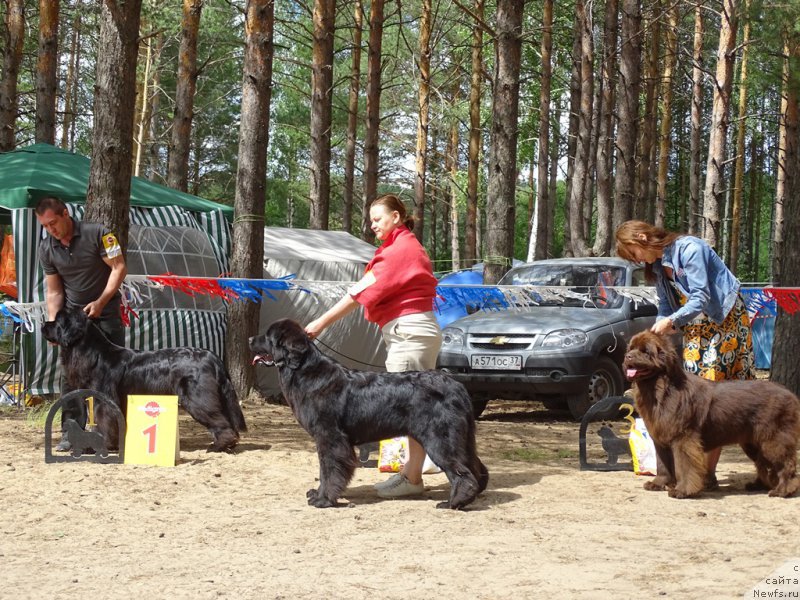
(630, 373)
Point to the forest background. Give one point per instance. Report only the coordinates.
(515, 129)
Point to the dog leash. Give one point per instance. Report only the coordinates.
(355, 360)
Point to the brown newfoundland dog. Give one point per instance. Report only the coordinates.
(341, 408)
(687, 415)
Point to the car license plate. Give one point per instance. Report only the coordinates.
(499, 362)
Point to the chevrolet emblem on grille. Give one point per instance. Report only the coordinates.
(499, 340)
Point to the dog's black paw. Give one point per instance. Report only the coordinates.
(446, 504)
(312, 494)
(321, 502)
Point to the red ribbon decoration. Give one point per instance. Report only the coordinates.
(787, 298)
(192, 285)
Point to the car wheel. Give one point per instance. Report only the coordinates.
(478, 406)
(606, 380)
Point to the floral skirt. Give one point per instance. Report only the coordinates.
(718, 352)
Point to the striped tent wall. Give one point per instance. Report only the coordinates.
(152, 329)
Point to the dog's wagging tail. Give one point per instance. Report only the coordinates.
(341, 408)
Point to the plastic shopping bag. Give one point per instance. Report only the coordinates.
(643, 450)
(393, 454)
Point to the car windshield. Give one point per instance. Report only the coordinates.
(591, 280)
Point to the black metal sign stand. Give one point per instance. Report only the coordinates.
(81, 439)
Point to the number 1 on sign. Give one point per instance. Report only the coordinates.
(150, 432)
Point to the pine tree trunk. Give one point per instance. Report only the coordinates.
(581, 175)
(178, 164)
(750, 221)
(716, 184)
(352, 122)
(471, 227)
(786, 345)
(784, 166)
(140, 127)
(543, 227)
(553, 184)
(529, 256)
(321, 113)
(46, 71)
(589, 189)
(605, 141)
(665, 140)
(695, 136)
(12, 57)
(423, 110)
(452, 171)
(247, 255)
(154, 105)
(72, 81)
(627, 111)
(572, 133)
(501, 189)
(373, 115)
(437, 192)
(644, 204)
(109, 191)
(741, 127)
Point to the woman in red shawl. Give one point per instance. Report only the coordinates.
(397, 293)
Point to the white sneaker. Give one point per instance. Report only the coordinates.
(402, 487)
(387, 483)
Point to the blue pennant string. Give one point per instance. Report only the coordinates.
(759, 303)
(11, 315)
(254, 289)
(477, 297)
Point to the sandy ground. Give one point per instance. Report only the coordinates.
(237, 526)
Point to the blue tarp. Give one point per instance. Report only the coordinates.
(456, 305)
(763, 334)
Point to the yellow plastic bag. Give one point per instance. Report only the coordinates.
(392, 454)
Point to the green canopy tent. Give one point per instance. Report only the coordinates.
(29, 173)
(166, 223)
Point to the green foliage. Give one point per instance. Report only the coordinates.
(214, 159)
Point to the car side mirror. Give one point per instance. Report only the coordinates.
(644, 309)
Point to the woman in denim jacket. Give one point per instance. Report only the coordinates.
(698, 295)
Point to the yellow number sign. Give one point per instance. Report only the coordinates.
(151, 436)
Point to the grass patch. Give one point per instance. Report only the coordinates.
(538, 454)
(36, 417)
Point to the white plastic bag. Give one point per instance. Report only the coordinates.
(643, 450)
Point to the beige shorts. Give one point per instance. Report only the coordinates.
(412, 342)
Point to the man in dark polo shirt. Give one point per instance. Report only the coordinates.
(83, 267)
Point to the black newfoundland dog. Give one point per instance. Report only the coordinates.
(341, 408)
(687, 416)
(196, 376)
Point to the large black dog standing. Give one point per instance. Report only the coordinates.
(341, 408)
(196, 376)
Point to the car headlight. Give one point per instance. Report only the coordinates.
(452, 337)
(565, 338)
